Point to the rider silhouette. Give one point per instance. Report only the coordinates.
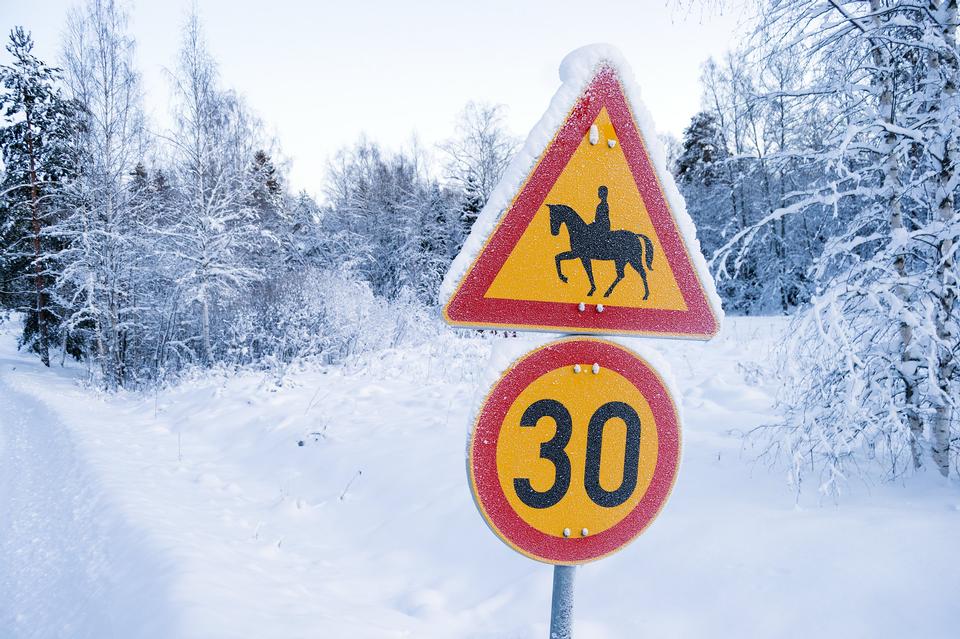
(602, 220)
(600, 228)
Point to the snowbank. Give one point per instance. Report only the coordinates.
(337, 505)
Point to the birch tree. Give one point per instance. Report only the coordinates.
(212, 148)
(99, 264)
(871, 370)
(476, 157)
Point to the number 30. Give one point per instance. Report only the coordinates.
(555, 452)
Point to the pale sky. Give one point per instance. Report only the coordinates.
(321, 73)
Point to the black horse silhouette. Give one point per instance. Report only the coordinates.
(597, 242)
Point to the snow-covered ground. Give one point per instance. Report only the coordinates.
(196, 513)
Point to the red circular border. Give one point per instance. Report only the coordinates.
(485, 483)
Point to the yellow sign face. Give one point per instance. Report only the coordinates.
(582, 395)
(530, 273)
(574, 451)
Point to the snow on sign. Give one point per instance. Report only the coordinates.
(574, 451)
(586, 232)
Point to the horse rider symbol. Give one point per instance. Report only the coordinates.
(596, 241)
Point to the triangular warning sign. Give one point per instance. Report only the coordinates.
(594, 239)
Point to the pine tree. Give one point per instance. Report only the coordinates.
(38, 158)
(706, 176)
(472, 201)
(267, 203)
(703, 151)
(266, 190)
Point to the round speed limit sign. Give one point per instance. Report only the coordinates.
(575, 451)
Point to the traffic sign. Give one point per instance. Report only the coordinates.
(594, 239)
(575, 451)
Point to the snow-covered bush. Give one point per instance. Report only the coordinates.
(328, 316)
(845, 398)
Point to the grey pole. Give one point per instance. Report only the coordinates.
(561, 611)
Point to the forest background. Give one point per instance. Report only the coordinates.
(820, 171)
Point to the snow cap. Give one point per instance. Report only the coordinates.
(582, 63)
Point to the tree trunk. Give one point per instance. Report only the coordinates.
(946, 273)
(909, 360)
(205, 322)
(40, 306)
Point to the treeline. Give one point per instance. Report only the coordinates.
(823, 176)
(143, 253)
(738, 164)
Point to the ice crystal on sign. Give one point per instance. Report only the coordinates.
(594, 134)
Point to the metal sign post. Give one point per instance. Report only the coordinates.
(561, 610)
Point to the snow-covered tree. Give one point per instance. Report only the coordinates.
(212, 147)
(35, 140)
(477, 156)
(872, 368)
(102, 260)
(388, 222)
(702, 151)
(753, 148)
(432, 240)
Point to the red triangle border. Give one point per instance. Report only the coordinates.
(469, 307)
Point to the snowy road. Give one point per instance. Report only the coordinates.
(70, 566)
(195, 514)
